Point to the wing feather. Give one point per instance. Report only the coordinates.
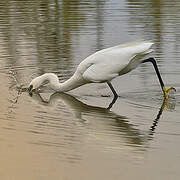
(108, 63)
(99, 73)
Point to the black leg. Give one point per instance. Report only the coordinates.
(112, 89)
(112, 103)
(153, 61)
(155, 122)
(165, 91)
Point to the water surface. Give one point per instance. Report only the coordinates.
(74, 135)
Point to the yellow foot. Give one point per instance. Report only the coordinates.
(166, 96)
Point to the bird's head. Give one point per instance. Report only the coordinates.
(34, 84)
(43, 80)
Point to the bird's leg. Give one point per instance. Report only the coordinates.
(112, 103)
(165, 91)
(112, 89)
(155, 122)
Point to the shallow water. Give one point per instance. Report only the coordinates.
(74, 135)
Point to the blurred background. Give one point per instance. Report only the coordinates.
(74, 136)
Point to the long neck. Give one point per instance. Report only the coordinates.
(72, 83)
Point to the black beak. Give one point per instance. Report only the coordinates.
(30, 89)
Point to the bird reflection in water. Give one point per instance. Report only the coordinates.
(170, 104)
(122, 126)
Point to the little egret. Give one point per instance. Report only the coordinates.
(103, 66)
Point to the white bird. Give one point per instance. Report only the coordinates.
(103, 66)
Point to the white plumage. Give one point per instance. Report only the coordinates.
(102, 66)
(109, 63)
